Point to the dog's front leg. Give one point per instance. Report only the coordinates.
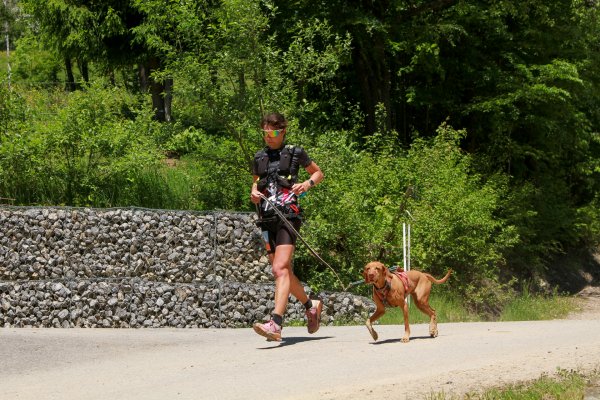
(376, 315)
(379, 311)
(406, 337)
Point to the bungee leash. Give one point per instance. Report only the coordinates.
(312, 251)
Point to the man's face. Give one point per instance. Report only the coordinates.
(273, 136)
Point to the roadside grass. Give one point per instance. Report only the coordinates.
(447, 307)
(565, 385)
(525, 307)
(530, 307)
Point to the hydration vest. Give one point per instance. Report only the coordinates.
(287, 171)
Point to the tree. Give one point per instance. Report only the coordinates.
(112, 34)
(9, 21)
(516, 76)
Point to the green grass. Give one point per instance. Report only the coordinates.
(566, 385)
(528, 307)
(525, 307)
(447, 307)
(294, 322)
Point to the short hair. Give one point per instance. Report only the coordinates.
(275, 120)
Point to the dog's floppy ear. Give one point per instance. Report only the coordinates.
(365, 274)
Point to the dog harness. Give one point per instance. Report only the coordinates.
(383, 292)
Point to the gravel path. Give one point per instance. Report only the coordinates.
(335, 363)
(590, 304)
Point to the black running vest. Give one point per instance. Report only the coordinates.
(285, 174)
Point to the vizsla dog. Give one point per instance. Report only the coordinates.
(390, 288)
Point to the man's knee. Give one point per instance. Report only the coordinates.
(280, 269)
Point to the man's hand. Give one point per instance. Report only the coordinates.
(300, 188)
(255, 195)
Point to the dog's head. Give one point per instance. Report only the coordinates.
(374, 272)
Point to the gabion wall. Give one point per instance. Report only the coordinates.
(75, 267)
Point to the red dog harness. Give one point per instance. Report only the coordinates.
(383, 292)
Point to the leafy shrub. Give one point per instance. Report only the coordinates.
(357, 214)
(83, 152)
(34, 64)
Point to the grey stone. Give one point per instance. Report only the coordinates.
(140, 268)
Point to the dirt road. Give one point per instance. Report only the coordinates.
(335, 363)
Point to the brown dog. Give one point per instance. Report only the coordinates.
(391, 289)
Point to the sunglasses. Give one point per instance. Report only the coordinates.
(272, 132)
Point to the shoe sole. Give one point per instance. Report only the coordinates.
(319, 309)
(274, 337)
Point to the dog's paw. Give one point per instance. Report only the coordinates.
(405, 339)
(433, 330)
(374, 334)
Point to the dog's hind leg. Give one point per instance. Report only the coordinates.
(433, 329)
(406, 337)
(423, 305)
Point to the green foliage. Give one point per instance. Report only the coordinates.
(84, 30)
(83, 152)
(10, 21)
(95, 145)
(12, 111)
(32, 63)
(370, 89)
(217, 175)
(532, 307)
(357, 214)
(17, 148)
(564, 385)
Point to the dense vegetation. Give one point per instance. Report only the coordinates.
(475, 121)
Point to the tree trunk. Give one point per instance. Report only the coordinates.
(159, 90)
(372, 70)
(7, 30)
(143, 75)
(70, 86)
(83, 69)
(168, 98)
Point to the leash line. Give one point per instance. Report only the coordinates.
(312, 251)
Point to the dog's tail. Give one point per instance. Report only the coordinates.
(438, 281)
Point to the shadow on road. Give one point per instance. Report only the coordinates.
(293, 340)
(399, 340)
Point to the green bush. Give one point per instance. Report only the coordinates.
(82, 152)
(18, 149)
(33, 64)
(357, 214)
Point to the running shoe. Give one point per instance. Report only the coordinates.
(270, 330)
(313, 316)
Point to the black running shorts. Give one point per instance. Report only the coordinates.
(281, 235)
